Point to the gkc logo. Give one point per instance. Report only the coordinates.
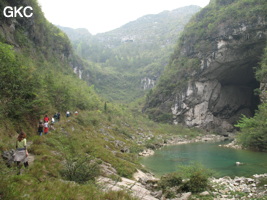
(20, 11)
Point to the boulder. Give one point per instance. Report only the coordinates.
(8, 156)
(206, 193)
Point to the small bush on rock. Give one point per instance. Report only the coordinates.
(197, 178)
(198, 182)
(170, 180)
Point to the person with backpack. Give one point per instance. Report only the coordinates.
(52, 120)
(55, 117)
(58, 116)
(21, 153)
(40, 128)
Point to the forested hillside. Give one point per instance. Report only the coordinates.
(36, 68)
(132, 57)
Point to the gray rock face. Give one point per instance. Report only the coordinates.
(148, 83)
(221, 89)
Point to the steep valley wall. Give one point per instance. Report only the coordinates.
(221, 88)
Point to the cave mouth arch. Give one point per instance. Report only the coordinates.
(237, 96)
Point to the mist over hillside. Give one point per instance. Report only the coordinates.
(133, 56)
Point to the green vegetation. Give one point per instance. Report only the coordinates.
(170, 180)
(253, 131)
(75, 152)
(18, 94)
(207, 21)
(195, 178)
(198, 178)
(80, 169)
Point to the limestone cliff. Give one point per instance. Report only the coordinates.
(210, 80)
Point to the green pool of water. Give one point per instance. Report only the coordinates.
(222, 160)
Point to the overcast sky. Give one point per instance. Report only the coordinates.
(104, 15)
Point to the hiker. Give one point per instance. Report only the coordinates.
(55, 116)
(52, 120)
(40, 128)
(46, 128)
(46, 118)
(67, 113)
(76, 113)
(58, 116)
(21, 153)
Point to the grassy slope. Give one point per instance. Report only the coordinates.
(91, 133)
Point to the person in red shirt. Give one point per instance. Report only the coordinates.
(46, 118)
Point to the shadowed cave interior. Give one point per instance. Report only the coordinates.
(237, 95)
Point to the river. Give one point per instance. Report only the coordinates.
(221, 160)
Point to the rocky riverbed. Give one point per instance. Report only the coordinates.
(144, 186)
(240, 187)
(232, 145)
(204, 138)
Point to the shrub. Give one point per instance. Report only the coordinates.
(197, 177)
(80, 169)
(170, 194)
(198, 182)
(170, 180)
(253, 130)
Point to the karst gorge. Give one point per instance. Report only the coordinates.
(169, 106)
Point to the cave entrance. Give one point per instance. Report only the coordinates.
(237, 95)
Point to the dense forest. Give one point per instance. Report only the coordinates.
(43, 72)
